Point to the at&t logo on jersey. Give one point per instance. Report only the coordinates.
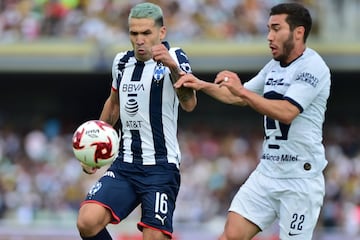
(131, 107)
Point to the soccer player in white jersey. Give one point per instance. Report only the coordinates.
(291, 91)
(143, 97)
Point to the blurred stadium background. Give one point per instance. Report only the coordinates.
(55, 58)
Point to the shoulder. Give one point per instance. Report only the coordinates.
(121, 59)
(312, 69)
(178, 52)
(312, 59)
(182, 59)
(124, 56)
(174, 51)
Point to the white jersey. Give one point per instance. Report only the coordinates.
(148, 108)
(294, 150)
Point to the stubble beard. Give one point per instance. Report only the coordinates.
(288, 46)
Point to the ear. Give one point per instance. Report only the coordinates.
(162, 33)
(299, 33)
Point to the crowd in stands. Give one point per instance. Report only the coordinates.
(106, 20)
(38, 173)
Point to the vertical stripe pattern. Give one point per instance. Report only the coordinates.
(156, 118)
(148, 108)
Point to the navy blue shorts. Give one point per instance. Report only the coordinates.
(125, 185)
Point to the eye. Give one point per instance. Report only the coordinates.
(276, 28)
(147, 32)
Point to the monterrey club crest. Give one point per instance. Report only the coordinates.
(96, 187)
(159, 72)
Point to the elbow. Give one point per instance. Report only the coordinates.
(188, 101)
(189, 106)
(288, 115)
(188, 109)
(287, 119)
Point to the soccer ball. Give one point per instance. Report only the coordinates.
(95, 143)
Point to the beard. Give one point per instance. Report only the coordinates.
(288, 46)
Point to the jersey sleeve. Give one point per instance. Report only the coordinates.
(257, 83)
(309, 81)
(116, 70)
(181, 59)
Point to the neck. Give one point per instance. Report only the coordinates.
(296, 53)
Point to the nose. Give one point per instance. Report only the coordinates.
(139, 40)
(270, 36)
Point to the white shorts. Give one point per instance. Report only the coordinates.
(296, 203)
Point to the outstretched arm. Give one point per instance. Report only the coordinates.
(281, 110)
(227, 88)
(215, 90)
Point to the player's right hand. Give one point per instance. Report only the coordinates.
(87, 169)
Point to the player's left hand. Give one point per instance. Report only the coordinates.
(230, 80)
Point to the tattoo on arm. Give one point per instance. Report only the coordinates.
(184, 94)
(175, 74)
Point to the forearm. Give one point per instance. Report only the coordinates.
(221, 93)
(110, 113)
(187, 96)
(281, 110)
(175, 73)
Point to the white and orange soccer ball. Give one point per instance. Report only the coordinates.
(95, 143)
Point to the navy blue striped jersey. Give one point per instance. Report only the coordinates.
(148, 108)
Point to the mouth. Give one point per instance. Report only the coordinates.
(141, 51)
(142, 54)
(273, 49)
